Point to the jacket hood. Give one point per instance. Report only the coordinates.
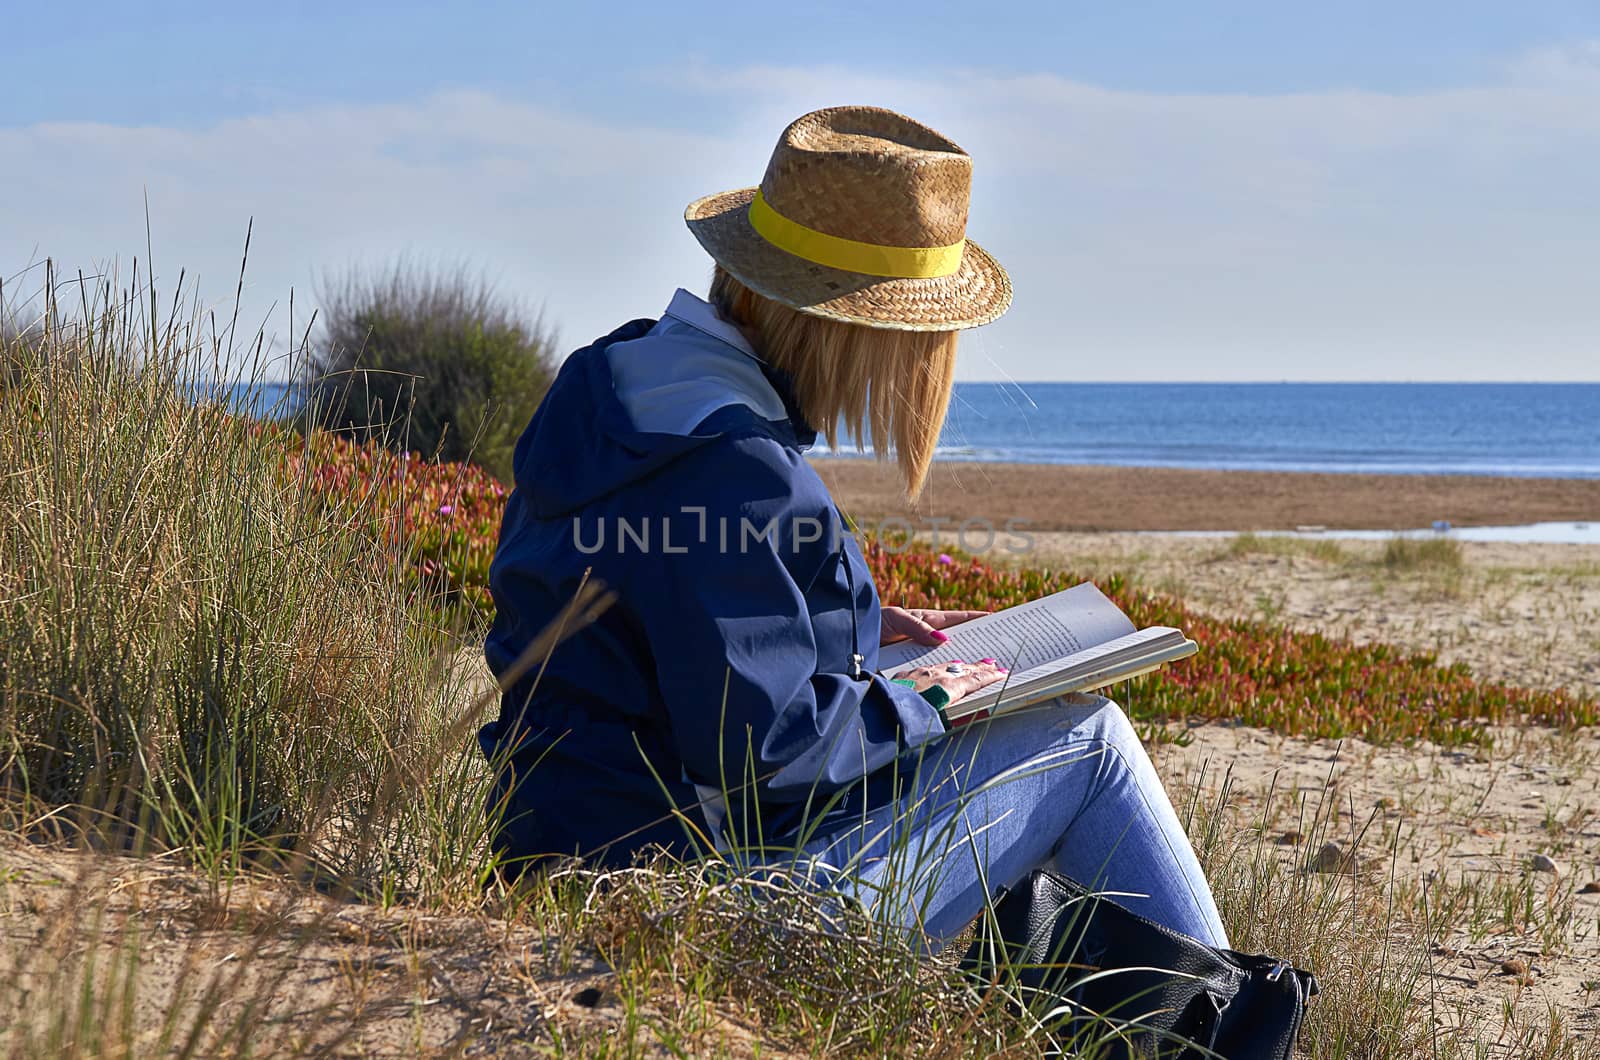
(582, 444)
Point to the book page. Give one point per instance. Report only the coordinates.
(1130, 645)
(1022, 638)
(1103, 664)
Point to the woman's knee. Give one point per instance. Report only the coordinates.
(1099, 718)
(1072, 725)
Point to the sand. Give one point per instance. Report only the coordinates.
(1439, 834)
(1524, 614)
(306, 974)
(1051, 497)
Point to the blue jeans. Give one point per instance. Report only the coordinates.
(1066, 786)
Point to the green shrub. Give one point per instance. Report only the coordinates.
(434, 361)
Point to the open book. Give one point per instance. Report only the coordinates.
(1070, 641)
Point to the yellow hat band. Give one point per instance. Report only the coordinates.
(835, 252)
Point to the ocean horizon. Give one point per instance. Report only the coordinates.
(1546, 430)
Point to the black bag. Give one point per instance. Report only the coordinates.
(1111, 984)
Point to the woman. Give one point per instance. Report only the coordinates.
(729, 697)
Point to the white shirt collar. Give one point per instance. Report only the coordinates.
(702, 316)
(688, 366)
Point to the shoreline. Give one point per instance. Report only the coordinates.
(1104, 498)
(820, 453)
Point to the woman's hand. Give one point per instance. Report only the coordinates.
(921, 624)
(970, 678)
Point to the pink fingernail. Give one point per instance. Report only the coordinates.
(986, 660)
(958, 660)
(1003, 669)
(940, 636)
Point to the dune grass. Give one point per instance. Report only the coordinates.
(198, 652)
(1400, 553)
(243, 811)
(1431, 553)
(1250, 544)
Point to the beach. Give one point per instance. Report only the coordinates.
(1102, 498)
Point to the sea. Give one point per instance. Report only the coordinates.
(1521, 429)
(1525, 429)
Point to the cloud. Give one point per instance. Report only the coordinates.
(1562, 66)
(581, 216)
(1318, 235)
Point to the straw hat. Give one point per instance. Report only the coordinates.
(861, 217)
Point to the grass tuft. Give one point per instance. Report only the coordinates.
(1251, 544)
(197, 652)
(1422, 554)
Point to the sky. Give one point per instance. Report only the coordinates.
(1179, 190)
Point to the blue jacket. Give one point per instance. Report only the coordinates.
(741, 602)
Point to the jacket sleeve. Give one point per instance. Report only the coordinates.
(737, 656)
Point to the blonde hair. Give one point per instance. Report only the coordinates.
(891, 388)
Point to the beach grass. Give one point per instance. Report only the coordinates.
(1436, 557)
(1432, 553)
(243, 811)
(1400, 553)
(199, 652)
(1252, 544)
